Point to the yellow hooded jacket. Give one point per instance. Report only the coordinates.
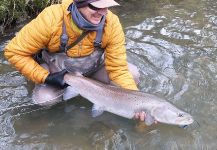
(45, 31)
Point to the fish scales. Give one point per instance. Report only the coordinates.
(126, 103)
(112, 99)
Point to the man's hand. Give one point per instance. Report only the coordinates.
(142, 116)
(56, 79)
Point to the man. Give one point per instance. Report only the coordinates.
(78, 29)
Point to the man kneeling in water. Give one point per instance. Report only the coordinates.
(83, 32)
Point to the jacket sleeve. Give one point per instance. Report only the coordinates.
(31, 38)
(116, 58)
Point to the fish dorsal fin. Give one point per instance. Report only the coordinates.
(97, 110)
(149, 120)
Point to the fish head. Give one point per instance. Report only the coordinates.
(169, 114)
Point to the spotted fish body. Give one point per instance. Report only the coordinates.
(126, 103)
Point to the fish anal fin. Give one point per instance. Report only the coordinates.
(97, 110)
(69, 93)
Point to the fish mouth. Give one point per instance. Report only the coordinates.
(185, 121)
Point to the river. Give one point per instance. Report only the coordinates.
(173, 42)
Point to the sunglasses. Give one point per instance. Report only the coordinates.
(94, 8)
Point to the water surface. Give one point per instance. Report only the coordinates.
(173, 42)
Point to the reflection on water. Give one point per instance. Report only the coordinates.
(173, 42)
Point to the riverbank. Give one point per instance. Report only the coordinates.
(12, 13)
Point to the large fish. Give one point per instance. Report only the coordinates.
(109, 98)
(125, 102)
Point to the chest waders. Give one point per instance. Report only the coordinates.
(86, 65)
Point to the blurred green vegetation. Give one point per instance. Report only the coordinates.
(12, 12)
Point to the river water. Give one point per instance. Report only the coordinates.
(173, 42)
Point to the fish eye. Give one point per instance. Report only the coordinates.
(180, 115)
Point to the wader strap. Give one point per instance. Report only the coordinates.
(77, 40)
(64, 38)
(98, 40)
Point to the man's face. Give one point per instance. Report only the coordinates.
(93, 14)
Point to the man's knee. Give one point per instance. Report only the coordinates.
(102, 75)
(135, 72)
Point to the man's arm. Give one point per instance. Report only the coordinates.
(20, 50)
(116, 58)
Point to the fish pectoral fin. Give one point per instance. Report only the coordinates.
(149, 120)
(69, 93)
(97, 110)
